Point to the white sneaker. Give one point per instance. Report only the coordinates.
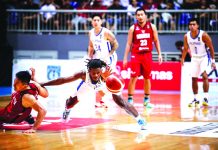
(142, 123)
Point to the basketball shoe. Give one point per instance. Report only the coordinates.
(142, 123)
(195, 102)
(205, 102)
(147, 103)
(66, 115)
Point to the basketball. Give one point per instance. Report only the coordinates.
(115, 83)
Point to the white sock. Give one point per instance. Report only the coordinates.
(196, 96)
(206, 95)
(138, 118)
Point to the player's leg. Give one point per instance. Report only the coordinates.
(71, 102)
(131, 89)
(146, 62)
(205, 65)
(130, 109)
(135, 72)
(195, 71)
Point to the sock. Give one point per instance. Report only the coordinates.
(146, 98)
(138, 118)
(196, 96)
(206, 95)
(130, 97)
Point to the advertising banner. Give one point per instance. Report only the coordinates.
(166, 76)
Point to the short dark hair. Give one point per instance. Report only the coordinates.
(193, 19)
(140, 9)
(179, 43)
(97, 15)
(24, 76)
(95, 63)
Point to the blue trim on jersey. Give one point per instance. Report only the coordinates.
(196, 36)
(80, 85)
(108, 47)
(99, 32)
(208, 56)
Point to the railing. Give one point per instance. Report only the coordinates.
(34, 54)
(119, 21)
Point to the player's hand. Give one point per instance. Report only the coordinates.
(33, 72)
(160, 59)
(182, 62)
(124, 63)
(106, 72)
(29, 131)
(213, 66)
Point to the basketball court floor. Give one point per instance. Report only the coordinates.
(171, 126)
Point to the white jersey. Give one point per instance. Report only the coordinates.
(95, 85)
(196, 45)
(102, 47)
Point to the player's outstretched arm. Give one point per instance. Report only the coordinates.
(30, 101)
(64, 80)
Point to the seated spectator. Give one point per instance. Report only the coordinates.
(167, 19)
(151, 5)
(30, 18)
(81, 18)
(49, 16)
(115, 16)
(98, 5)
(180, 46)
(66, 17)
(132, 7)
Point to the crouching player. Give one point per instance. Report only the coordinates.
(95, 78)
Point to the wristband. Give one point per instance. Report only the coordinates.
(213, 60)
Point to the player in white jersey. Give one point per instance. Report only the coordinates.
(102, 45)
(93, 79)
(202, 51)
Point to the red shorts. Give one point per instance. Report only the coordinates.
(141, 65)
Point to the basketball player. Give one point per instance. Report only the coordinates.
(198, 41)
(23, 100)
(102, 45)
(94, 77)
(140, 40)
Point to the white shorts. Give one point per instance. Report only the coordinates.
(85, 90)
(199, 65)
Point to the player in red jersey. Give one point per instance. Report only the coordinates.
(140, 40)
(23, 100)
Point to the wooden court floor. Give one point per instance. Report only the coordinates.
(121, 132)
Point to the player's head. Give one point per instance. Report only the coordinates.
(94, 67)
(96, 20)
(141, 15)
(22, 80)
(193, 24)
(179, 45)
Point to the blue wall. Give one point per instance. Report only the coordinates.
(64, 43)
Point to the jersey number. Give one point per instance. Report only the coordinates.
(143, 42)
(97, 47)
(196, 50)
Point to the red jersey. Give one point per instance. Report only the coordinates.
(14, 111)
(142, 38)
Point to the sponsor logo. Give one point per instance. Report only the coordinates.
(143, 35)
(53, 72)
(155, 75)
(161, 75)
